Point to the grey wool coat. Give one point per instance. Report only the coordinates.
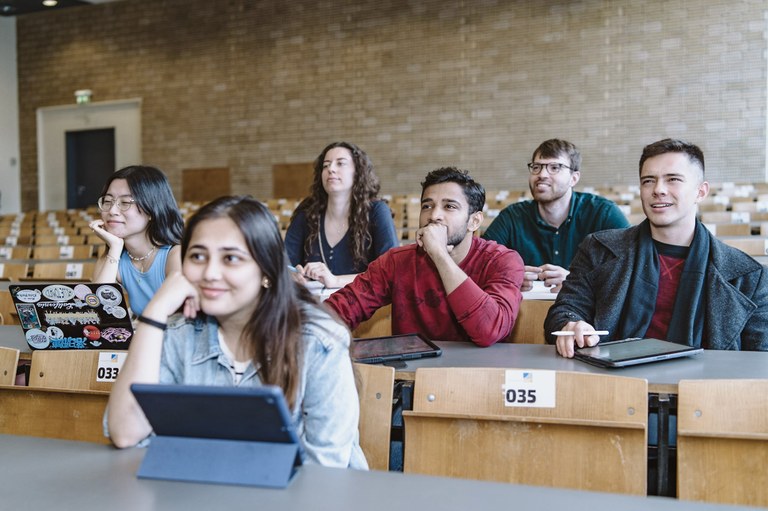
(735, 301)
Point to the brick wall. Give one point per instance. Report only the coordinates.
(418, 84)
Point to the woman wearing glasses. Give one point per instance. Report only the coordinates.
(341, 226)
(142, 227)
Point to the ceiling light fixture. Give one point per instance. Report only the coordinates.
(50, 3)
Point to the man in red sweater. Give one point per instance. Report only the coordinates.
(450, 285)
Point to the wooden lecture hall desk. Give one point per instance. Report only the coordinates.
(53, 413)
(663, 378)
(43, 474)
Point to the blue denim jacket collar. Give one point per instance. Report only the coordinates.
(207, 348)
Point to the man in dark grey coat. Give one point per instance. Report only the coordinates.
(668, 277)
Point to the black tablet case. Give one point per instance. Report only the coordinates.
(630, 352)
(376, 350)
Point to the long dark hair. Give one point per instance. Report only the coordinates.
(152, 193)
(273, 333)
(364, 190)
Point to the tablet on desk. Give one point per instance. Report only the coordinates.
(235, 413)
(232, 435)
(629, 352)
(376, 350)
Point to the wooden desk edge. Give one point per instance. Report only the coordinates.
(654, 388)
(662, 388)
(24, 388)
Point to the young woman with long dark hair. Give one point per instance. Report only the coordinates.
(245, 322)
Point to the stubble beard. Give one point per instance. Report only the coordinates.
(457, 237)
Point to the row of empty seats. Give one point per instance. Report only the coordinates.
(64, 251)
(52, 244)
(81, 270)
(728, 204)
(44, 230)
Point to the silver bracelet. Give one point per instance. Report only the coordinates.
(111, 259)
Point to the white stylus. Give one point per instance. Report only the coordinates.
(562, 333)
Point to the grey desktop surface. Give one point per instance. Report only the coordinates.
(47, 474)
(710, 364)
(12, 336)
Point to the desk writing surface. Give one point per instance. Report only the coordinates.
(44, 474)
(12, 336)
(539, 291)
(662, 376)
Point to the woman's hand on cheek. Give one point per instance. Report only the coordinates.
(191, 306)
(97, 226)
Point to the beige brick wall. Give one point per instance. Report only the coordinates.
(417, 84)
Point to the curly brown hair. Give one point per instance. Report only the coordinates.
(364, 190)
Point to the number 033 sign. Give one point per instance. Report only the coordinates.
(110, 365)
(529, 389)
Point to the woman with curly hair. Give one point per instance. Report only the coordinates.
(342, 226)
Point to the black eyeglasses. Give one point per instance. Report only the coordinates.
(106, 203)
(552, 168)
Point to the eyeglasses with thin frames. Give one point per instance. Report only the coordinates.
(106, 203)
(552, 168)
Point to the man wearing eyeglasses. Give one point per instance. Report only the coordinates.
(547, 230)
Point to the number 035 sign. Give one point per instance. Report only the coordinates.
(529, 389)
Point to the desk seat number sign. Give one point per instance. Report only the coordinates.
(110, 364)
(529, 389)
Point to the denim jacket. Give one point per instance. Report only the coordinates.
(326, 413)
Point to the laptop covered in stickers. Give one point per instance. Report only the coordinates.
(59, 315)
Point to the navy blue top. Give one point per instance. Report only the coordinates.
(520, 227)
(339, 257)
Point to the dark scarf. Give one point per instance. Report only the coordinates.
(687, 324)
